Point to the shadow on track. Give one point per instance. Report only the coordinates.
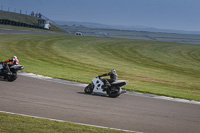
(2, 79)
(95, 94)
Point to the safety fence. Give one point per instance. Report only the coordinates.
(14, 23)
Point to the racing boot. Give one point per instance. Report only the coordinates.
(106, 86)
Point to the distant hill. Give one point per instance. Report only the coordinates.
(88, 29)
(130, 27)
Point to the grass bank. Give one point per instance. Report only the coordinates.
(10, 123)
(17, 17)
(162, 68)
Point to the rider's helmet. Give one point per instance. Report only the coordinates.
(15, 61)
(14, 57)
(113, 71)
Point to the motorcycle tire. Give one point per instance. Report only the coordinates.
(12, 77)
(89, 89)
(115, 93)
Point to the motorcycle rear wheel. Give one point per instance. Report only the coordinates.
(115, 93)
(12, 77)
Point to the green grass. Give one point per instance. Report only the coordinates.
(10, 123)
(17, 17)
(162, 68)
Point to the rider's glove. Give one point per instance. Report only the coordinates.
(1, 62)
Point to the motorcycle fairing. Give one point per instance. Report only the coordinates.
(98, 86)
(17, 67)
(1, 66)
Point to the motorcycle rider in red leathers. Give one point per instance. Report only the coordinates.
(5, 63)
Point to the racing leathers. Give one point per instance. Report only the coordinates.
(14, 61)
(107, 82)
(6, 65)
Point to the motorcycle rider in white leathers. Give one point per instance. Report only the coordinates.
(113, 77)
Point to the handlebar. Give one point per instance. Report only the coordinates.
(98, 77)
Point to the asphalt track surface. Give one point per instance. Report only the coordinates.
(20, 31)
(42, 98)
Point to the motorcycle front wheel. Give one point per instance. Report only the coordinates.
(89, 89)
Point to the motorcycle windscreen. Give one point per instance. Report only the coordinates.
(17, 67)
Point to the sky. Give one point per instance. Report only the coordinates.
(163, 14)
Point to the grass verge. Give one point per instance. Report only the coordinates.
(161, 68)
(11, 123)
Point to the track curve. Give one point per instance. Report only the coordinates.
(54, 100)
(21, 31)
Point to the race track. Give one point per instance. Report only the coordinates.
(50, 99)
(37, 97)
(20, 31)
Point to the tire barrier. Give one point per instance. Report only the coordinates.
(14, 23)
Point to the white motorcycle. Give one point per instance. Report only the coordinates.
(97, 86)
